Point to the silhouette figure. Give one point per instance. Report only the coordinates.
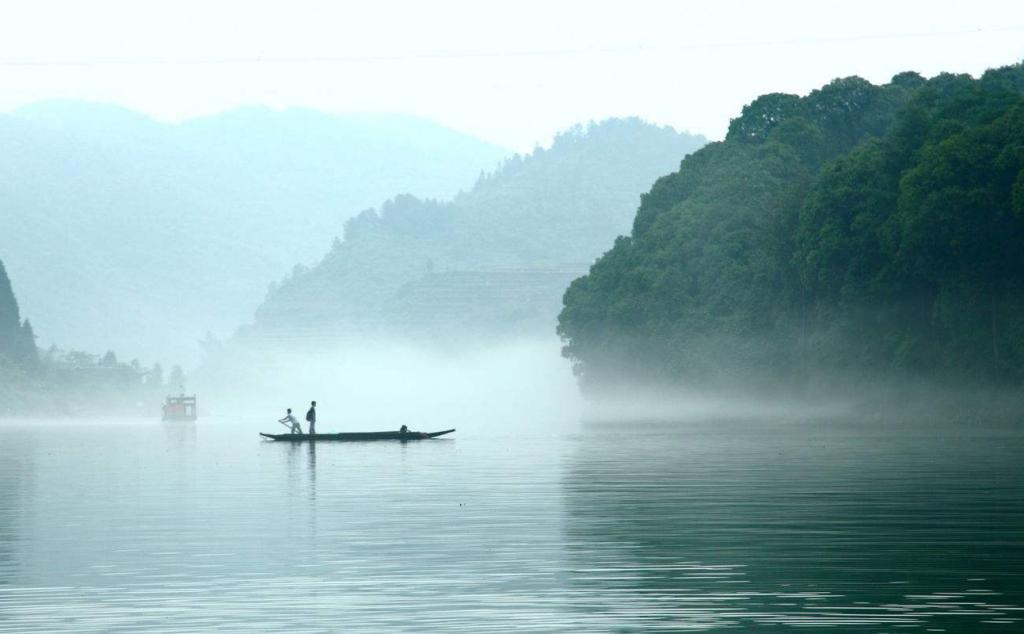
(311, 418)
(290, 421)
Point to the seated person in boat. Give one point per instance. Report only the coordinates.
(291, 422)
(404, 429)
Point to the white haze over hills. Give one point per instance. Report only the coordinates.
(124, 233)
(137, 234)
(490, 264)
(442, 314)
(514, 73)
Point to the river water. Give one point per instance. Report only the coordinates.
(755, 525)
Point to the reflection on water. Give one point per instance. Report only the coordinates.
(775, 526)
(801, 525)
(311, 452)
(15, 485)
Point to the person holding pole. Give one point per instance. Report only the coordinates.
(290, 422)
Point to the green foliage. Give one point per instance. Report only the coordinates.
(64, 382)
(10, 316)
(861, 230)
(556, 208)
(74, 383)
(17, 339)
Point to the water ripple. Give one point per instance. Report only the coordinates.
(683, 527)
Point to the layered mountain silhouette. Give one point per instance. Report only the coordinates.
(492, 261)
(131, 234)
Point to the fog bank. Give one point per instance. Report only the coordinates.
(373, 385)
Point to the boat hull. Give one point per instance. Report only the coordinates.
(359, 436)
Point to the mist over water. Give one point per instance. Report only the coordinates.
(763, 380)
(510, 384)
(380, 385)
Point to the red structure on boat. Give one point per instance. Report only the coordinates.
(180, 408)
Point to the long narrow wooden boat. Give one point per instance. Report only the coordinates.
(356, 436)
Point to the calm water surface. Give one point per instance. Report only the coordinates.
(777, 526)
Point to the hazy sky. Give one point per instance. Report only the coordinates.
(512, 72)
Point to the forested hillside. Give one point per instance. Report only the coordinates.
(132, 234)
(860, 232)
(69, 382)
(17, 341)
(499, 254)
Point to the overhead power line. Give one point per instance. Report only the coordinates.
(457, 55)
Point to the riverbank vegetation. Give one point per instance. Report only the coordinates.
(69, 382)
(863, 233)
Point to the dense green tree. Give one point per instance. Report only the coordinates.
(17, 339)
(859, 230)
(10, 316)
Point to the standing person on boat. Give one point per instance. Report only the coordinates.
(291, 422)
(311, 418)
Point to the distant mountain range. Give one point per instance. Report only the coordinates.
(494, 260)
(130, 234)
